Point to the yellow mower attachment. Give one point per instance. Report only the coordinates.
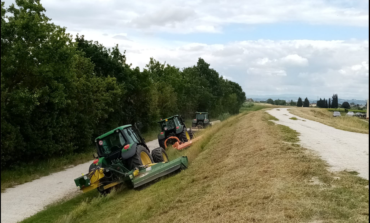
(90, 181)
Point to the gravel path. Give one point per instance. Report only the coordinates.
(27, 199)
(342, 150)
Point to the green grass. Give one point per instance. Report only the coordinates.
(322, 115)
(343, 110)
(293, 118)
(33, 170)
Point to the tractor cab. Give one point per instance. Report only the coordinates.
(201, 120)
(173, 126)
(113, 144)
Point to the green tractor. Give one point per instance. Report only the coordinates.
(123, 157)
(173, 126)
(201, 120)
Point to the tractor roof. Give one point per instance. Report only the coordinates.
(171, 117)
(112, 131)
(201, 112)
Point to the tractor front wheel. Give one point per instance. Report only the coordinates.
(159, 155)
(161, 143)
(141, 158)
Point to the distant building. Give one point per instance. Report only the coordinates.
(313, 105)
(249, 100)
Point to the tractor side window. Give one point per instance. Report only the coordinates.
(133, 135)
(112, 143)
(177, 121)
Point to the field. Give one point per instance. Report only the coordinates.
(246, 169)
(324, 116)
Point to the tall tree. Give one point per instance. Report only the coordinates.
(306, 103)
(299, 103)
(346, 105)
(270, 101)
(335, 103)
(329, 106)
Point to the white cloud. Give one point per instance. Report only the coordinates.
(294, 59)
(311, 67)
(200, 16)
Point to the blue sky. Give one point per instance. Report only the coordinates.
(307, 48)
(284, 31)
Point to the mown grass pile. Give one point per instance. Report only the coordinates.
(324, 116)
(246, 169)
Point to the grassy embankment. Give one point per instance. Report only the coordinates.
(322, 115)
(246, 169)
(23, 173)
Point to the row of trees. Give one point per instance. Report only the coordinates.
(305, 103)
(332, 103)
(60, 92)
(280, 102)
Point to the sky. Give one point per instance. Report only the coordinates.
(307, 48)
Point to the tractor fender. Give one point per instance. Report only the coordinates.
(180, 129)
(194, 121)
(161, 136)
(206, 121)
(130, 152)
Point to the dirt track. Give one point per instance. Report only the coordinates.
(27, 199)
(342, 150)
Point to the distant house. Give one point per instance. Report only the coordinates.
(249, 100)
(313, 105)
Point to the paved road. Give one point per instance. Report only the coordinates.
(27, 199)
(341, 149)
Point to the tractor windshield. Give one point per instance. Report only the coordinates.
(200, 116)
(111, 143)
(168, 125)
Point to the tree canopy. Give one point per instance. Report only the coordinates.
(306, 103)
(299, 102)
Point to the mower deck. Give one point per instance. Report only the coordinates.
(137, 177)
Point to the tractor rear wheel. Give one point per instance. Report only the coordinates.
(141, 158)
(159, 155)
(184, 136)
(191, 134)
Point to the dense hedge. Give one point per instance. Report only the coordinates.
(58, 93)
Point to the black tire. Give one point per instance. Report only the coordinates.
(158, 154)
(182, 136)
(194, 125)
(92, 166)
(191, 134)
(161, 142)
(135, 161)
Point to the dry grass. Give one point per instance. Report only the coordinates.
(246, 169)
(322, 115)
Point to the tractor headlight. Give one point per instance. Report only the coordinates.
(188, 129)
(85, 177)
